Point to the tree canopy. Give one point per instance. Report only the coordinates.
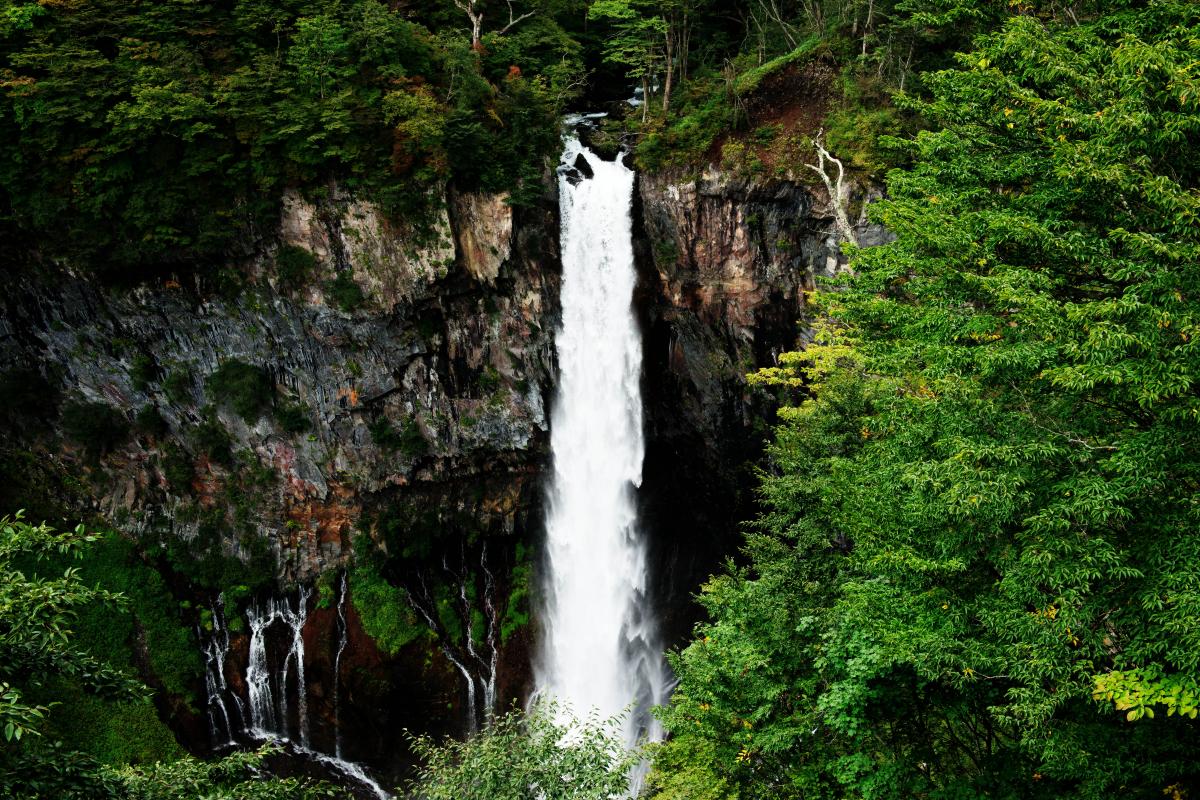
(976, 575)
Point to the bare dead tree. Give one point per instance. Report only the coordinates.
(474, 11)
(513, 20)
(835, 187)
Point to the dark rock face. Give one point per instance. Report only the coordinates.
(407, 419)
(725, 265)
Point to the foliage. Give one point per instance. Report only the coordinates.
(294, 266)
(977, 537)
(246, 388)
(542, 754)
(382, 608)
(293, 417)
(164, 144)
(750, 80)
(238, 776)
(345, 293)
(408, 440)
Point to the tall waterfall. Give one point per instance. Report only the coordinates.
(600, 650)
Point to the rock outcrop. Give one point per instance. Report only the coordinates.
(727, 261)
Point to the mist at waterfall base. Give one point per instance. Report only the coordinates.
(600, 650)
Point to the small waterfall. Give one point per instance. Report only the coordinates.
(269, 710)
(476, 659)
(600, 648)
(343, 629)
(269, 689)
(222, 724)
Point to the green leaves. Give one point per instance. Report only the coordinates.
(1137, 691)
(545, 753)
(984, 512)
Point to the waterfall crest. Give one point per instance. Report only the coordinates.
(600, 649)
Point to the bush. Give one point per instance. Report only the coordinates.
(178, 467)
(294, 266)
(96, 426)
(214, 441)
(293, 418)
(344, 292)
(521, 755)
(178, 385)
(246, 388)
(408, 440)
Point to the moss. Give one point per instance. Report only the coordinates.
(382, 608)
(112, 733)
(489, 380)
(516, 610)
(246, 388)
(750, 80)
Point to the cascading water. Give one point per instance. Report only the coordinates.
(268, 713)
(226, 713)
(600, 650)
(343, 637)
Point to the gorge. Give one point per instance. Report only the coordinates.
(460, 354)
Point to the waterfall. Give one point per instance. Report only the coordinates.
(221, 723)
(269, 690)
(343, 630)
(269, 705)
(600, 649)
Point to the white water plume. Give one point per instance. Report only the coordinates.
(600, 650)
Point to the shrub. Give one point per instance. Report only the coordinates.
(214, 441)
(293, 418)
(344, 292)
(408, 440)
(294, 266)
(178, 467)
(178, 385)
(246, 388)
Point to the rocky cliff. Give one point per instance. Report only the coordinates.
(381, 387)
(727, 260)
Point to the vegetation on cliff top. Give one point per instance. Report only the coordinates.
(160, 134)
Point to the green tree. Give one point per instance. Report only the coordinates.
(977, 572)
